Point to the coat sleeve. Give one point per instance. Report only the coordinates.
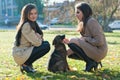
(30, 35)
(96, 33)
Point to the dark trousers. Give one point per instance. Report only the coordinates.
(38, 52)
(79, 53)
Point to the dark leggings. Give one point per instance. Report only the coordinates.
(79, 53)
(38, 52)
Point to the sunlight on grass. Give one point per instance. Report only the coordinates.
(10, 71)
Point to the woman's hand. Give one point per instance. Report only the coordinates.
(66, 41)
(82, 38)
(39, 36)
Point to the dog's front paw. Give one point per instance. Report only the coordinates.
(72, 69)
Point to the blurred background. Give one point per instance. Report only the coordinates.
(54, 13)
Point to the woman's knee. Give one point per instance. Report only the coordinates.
(69, 52)
(46, 44)
(74, 40)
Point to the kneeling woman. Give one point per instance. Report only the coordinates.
(92, 46)
(29, 43)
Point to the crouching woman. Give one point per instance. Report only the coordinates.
(29, 43)
(91, 46)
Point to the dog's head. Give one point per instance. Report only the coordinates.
(58, 40)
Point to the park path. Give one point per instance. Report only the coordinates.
(13, 28)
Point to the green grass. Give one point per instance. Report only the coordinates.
(10, 71)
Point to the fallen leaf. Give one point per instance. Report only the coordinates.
(82, 79)
(105, 76)
(45, 77)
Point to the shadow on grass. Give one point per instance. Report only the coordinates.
(57, 76)
(105, 74)
(108, 74)
(113, 43)
(113, 35)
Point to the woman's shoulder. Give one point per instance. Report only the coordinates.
(91, 19)
(26, 25)
(93, 23)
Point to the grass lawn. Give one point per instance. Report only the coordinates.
(10, 71)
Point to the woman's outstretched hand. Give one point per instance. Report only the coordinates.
(66, 41)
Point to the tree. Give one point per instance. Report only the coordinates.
(38, 3)
(104, 11)
(110, 7)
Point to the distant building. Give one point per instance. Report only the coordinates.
(9, 8)
(62, 11)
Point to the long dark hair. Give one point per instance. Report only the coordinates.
(24, 18)
(86, 10)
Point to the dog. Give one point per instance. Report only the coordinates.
(58, 61)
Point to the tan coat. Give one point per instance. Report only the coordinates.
(29, 39)
(93, 41)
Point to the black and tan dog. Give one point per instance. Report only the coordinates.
(58, 61)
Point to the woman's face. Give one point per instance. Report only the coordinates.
(33, 15)
(79, 14)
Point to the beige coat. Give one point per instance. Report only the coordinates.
(29, 39)
(93, 41)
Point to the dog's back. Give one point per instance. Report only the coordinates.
(58, 61)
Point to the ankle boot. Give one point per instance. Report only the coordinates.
(31, 67)
(26, 69)
(90, 64)
(97, 64)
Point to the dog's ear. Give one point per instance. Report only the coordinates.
(62, 36)
(54, 41)
(57, 40)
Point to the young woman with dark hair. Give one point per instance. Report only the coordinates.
(91, 46)
(29, 43)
